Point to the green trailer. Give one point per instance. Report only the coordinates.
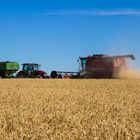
(7, 69)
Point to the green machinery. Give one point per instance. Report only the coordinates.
(8, 68)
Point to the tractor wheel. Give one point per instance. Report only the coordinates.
(38, 76)
(20, 76)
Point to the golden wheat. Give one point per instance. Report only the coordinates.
(69, 109)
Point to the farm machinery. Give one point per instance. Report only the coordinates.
(97, 66)
(31, 70)
(103, 66)
(8, 68)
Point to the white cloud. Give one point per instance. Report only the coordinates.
(118, 12)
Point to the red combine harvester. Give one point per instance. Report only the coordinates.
(97, 66)
(103, 66)
(31, 70)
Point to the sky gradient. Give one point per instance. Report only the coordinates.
(55, 33)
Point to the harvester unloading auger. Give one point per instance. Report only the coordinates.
(97, 66)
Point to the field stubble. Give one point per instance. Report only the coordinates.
(69, 109)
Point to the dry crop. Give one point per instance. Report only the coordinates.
(69, 109)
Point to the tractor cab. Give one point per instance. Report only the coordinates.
(30, 67)
(31, 70)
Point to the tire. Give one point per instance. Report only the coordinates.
(38, 76)
(20, 76)
(54, 74)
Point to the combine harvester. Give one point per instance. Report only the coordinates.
(97, 66)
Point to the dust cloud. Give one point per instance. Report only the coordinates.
(130, 73)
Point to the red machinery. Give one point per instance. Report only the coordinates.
(103, 66)
(31, 70)
(97, 66)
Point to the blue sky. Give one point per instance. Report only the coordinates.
(55, 33)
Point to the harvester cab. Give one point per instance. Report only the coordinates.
(103, 66)
(31, 70)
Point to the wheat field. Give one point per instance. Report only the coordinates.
(37, 109)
